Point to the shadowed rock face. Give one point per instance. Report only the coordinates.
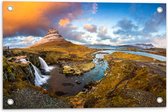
(52, 35)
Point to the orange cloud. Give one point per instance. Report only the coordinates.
(90, 28)
(64, 22)
(32, 17)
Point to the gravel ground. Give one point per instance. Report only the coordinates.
(31, 98)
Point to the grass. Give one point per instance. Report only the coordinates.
(54, 52)
(127, 56)
(14, 76)
(78, 69)
(18, 75)
(130, 82)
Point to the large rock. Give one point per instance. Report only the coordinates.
(16, 76)
(78, 69)
(34, 59)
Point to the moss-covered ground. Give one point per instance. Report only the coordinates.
(131, 81)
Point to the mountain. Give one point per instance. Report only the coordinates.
(52, 38)
(139, 46)
(101, 46)
(144, 46)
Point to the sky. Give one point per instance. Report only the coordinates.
(85, 23)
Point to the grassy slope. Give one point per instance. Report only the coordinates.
(158, 51)
(17, 75)
(131, 81)
(63, 51)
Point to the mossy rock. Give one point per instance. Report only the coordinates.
(16, 75)
(78, 69)
(34, 59)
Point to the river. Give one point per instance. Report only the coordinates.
(71, 85)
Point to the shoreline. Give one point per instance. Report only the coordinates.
(123, 60)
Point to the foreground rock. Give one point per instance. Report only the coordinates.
(16, 76)
(31, 98)
(78, 69)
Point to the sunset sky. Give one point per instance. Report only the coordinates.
(84, 23)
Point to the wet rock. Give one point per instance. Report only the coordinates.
(34, 59)
(77, 82)
(90, 85)
(60, 93)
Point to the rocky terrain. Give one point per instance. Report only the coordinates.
(131, 81)
(30, 98)
(55, 50)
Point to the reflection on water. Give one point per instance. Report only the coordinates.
(70, 85)
(155, 56)
(158, 57)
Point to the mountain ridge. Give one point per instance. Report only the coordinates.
(51, 37)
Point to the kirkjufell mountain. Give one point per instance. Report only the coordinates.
(51, 38)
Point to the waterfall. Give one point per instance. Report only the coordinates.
(44, 65)
(23, 60)
(39, 78)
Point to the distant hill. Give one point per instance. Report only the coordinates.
(144, 46)
(138, 46)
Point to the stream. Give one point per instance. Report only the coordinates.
(63, 85)
(71, 85)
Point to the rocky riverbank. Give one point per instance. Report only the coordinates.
(131, 81)
(78, 69)
(19, 77)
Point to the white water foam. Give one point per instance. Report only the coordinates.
(44, 65)
(39, 78)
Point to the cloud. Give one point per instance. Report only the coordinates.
(154, 23)
(35, 18)
(20, 41)
(102, 33)
(70, 32)
(126, 27)
(64, 22)
(159, 41)
(90, 28)
(126, 24)
(28, 39)
(128, 31)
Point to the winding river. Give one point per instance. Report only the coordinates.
(71, 85)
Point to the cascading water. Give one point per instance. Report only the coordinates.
(44, 65)
(23, 60)
(39, 78)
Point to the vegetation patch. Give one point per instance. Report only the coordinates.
(78, 69)
(129, 82)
